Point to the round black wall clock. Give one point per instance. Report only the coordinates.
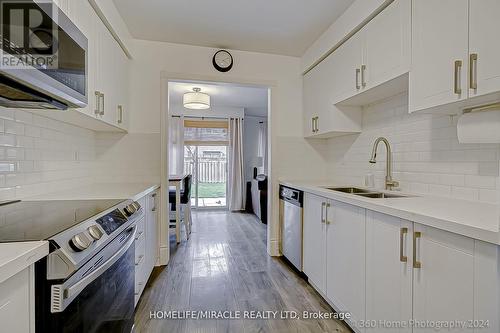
(222, 61)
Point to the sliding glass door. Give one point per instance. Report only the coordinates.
(208, 165)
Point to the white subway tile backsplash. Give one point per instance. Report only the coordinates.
(37, 154)
(427, 156)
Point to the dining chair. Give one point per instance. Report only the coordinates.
(185, 209)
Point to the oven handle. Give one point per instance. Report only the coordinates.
(62, 295)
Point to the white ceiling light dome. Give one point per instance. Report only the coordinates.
(196, 100)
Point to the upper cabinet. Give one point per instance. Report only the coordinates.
(439, 53)
(387, 44)
(361, 70)
(484, 49)
(454, 53)
(375, 55)
(107, 74)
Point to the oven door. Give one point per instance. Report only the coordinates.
(97, 298)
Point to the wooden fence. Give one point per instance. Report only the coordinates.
(209, 170)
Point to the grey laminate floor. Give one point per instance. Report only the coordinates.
(225, 267)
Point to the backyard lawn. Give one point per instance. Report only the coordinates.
(211, 190)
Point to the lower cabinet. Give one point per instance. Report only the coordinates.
(345, 261)
(146, 243)
(394, 275)
(314, 261)
(443, 279)
(388, 270)
(17, 301)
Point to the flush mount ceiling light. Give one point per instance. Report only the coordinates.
(196, 100)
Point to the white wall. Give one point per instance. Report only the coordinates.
(291, 154)
(427, 156)
(250, 144)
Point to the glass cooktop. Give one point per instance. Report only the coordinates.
(40, 220)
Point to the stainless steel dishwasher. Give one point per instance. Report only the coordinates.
(291, 204)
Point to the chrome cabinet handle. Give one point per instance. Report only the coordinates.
(323, 205)
(139, 235)
(473, 71)
(317, 124)
(416, 235)
(97, 109)
(402, 256)
(363, 79)
(102, 104)
(120, 114)
(457, 84)
(326, 214)
(357, 78)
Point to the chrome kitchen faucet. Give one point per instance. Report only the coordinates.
(390, 184)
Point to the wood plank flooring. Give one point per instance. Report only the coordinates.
(225, 267)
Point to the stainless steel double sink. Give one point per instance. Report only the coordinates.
(366, 193)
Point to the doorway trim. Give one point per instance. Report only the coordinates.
(272, 204)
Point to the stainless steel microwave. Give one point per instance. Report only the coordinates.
(43, 57)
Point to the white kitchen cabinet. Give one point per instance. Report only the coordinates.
(17, 302)
(387, 44)
(388, 270)
(146, 242)
(323, 119)
(151, 230)
(345, 258)
(345, 69)
(484, 26)
(314, 242)
(439, 53)
(443, 277)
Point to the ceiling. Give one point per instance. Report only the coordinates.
(253, 99)
(286, 27)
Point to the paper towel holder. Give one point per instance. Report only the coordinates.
(485, 107)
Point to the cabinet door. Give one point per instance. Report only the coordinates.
(317, 106)
(443, 286)
(122, 79)
(16, 299)
(314, 241)
(388, 270)
(344, 63)
(151, 232)
(484, 26)
(345, 259)
(388, 56)
(439, 40)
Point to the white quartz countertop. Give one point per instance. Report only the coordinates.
(14, 257)
(124, 191)
(469, 218)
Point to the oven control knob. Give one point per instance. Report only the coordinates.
(80, 242)
(95, 232)
(130, 210)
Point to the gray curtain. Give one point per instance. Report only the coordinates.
(236, 193)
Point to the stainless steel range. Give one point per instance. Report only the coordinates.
(86, 283)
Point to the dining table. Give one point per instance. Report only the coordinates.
(176, 181)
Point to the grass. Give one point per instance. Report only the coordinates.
(211, 190)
